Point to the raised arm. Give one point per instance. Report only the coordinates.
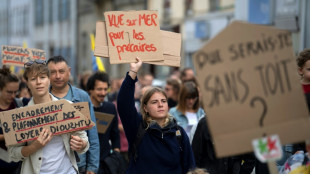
(126, 104)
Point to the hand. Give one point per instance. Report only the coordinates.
(136, 66)
(117, 150)
(44, 137)
(76, 143)
(90, 172)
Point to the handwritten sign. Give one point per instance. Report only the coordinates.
(103, 121)
(83, 108)
(250, 88)
(14, 55)
(131, 34)
(25, 124)
(171, 43)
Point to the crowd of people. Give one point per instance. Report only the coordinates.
(154, 129)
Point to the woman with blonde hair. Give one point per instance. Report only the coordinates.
(164, 146)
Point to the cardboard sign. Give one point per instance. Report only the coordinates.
(18, 56)
(171, 46)
(103, 121)
(83, 108)
(131, 34)
(250, 87)
(25, 124)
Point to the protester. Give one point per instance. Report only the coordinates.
(115, 85)
(188, 111)
(163, 146)
(172, 90)
(9, 84)
(61, 88)
(23, 91)
(204, 153)
(48, 153)
(187, 74)
(146, 79)
(303, 63)
(84, 79)
(97, 86)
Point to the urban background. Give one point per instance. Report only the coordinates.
(63, 27)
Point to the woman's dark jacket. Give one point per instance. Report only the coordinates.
(159, 150)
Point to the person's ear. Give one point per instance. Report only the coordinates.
(300, 71)
(145, 110)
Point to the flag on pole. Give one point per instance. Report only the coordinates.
(96, 61)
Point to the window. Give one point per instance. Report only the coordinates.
(39, 12)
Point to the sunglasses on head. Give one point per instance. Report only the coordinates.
(37, 61)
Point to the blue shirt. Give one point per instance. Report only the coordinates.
(90, 159)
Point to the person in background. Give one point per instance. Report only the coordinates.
(204, 152)
(84, 79)
(172, 90)
(9, 84)
(160, 150)
(115, 85)
(62, 89)
(47, 153)
(23, 91)
(146, 79)
(97, 87)
(187, 74)
(188, 110)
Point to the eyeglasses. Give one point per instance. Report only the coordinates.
(37, 61)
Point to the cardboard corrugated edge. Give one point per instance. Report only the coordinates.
(101, 42)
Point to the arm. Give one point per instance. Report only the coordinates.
(188, 157)
(20, 151)
(92, 155)
(126, 104)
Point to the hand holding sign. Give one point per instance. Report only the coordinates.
(44, 137)
(26, 124)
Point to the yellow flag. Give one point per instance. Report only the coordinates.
(99, 62)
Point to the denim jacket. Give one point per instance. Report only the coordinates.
(89, 160)
(182, 119)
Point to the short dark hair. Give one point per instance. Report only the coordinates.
(6, 77)
(57, 59)
(303, 57)
(101, 76)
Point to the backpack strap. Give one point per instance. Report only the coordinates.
(137, 141)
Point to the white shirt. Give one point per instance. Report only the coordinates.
(55, 158)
